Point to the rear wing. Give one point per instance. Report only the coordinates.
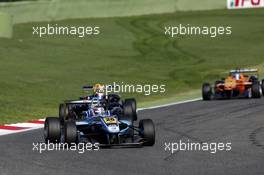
(81, 101)
(244, 71)
(78, 102)
(86, 88)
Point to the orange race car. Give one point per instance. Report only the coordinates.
(242, 83)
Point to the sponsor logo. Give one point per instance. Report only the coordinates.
(238, 4)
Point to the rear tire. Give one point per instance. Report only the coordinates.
(253, 79)
(128, 112)
(262, 87)
(148, 131)
(207, 91)
(128, 116)
(133, 103)
(52, 130)
(70, 132)
(256, 90)
(62, 113)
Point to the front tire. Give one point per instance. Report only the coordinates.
(70, 132)
(52, 130)
(147, 131)
(206, 91)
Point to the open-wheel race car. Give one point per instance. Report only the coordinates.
(241, 83)
(111, 102)
(92, 120)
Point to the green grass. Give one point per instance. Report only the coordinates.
(38, 73)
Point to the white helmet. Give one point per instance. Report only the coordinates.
(98, 110)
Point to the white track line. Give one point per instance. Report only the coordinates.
(26, 126)
(7, 132)
(170, 104)
(33, 126)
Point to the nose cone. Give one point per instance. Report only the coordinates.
(113, 129)
(230, 84)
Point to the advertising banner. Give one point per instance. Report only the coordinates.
(239, 4)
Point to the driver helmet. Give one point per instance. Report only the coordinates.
(99, 110)
(237, 76)
(99, 91)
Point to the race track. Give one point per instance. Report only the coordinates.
(240, 122)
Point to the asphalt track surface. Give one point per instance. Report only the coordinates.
(240, 122)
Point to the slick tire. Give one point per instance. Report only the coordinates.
(132, 102)
(256, 90)
(62, 113)
(206, 91)
(129, 112)
(128, 115)
(70, 132)
(147, 131)
(262, 87)
(52, 130)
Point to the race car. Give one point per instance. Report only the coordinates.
(111, 102)
(241, 83)
(97, 125)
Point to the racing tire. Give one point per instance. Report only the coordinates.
(132, 102)
(52, 130)
(262, 87)
(206, 91)
(147, 131)
(256, 90)
(70, 132)
(128, 112)
(127, 115)
(62, 113)
(253, 79)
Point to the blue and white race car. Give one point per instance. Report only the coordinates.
(71, 109)
(94, 124)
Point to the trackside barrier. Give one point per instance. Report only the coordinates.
(6, 25)
(48, 10)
